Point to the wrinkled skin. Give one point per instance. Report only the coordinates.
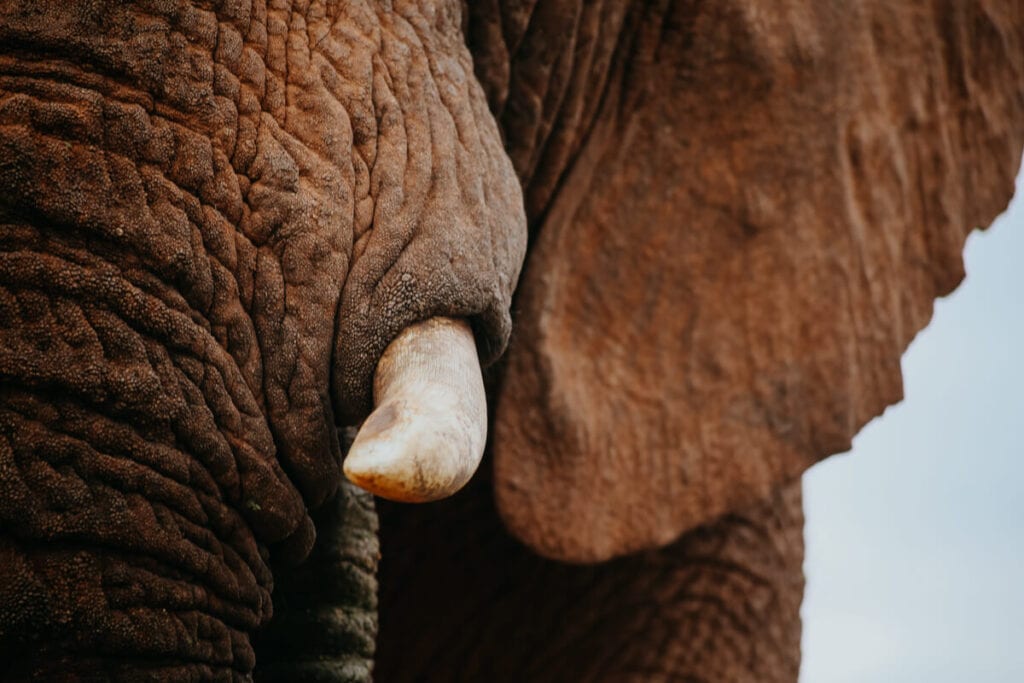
(740, 215)
(213, 222)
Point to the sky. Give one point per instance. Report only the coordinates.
(915, 538)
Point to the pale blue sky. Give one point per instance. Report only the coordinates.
(915, 539)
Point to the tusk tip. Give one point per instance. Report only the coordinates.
(397, 478)
(403, 456)
(425, 438)
(387, 485)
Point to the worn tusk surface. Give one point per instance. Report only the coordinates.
(425, 437)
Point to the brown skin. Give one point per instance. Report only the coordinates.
(211, 225)
(765, 201)
(720, 604)
(741, 213)
(325, 610)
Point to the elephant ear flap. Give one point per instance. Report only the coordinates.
(632, 408)
(710, 307)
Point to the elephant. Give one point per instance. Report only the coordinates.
(651, 260)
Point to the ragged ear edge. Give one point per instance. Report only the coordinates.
(708, 310)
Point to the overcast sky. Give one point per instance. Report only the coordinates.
(915, 539)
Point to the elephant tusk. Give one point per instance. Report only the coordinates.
(425, 437)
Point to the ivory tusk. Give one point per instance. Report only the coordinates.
(425, 437)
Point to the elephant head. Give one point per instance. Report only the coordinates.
(225, 228)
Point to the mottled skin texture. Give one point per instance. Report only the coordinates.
(763, 203)
(214, 216)
(325, 610)
(740, 215)
(213, 219)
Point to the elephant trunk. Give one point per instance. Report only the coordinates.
(325, 611)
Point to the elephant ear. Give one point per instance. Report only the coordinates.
(721, 287)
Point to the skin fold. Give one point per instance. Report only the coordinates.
(761, 202)
(215, 217)
(214, 220)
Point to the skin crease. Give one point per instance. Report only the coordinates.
(795, 201)
(212, 223)
(740, 213)
(761, 201)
